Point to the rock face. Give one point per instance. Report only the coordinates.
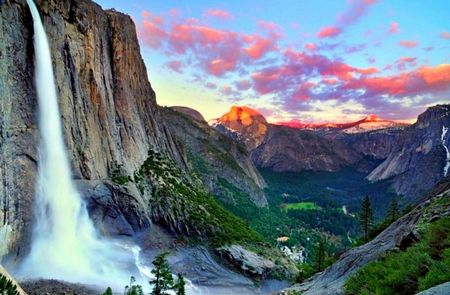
(376, 144)
(107, 105)
(215, 157)
(398, 235)
(289, 149)
(420, 156)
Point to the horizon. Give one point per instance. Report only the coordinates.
(291, 61)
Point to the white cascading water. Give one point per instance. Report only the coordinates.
(447, 152)
(65, 244)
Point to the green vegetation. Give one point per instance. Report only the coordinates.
(7, 287)
(301, 206)
(117, 176)
(174, 193)
(108, 291)
(419, 267)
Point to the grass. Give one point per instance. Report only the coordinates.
(305, 206)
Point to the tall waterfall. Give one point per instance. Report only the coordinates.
(65, 244)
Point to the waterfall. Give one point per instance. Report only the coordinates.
(65, 244)
(447, 152)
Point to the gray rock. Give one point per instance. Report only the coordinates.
(442, 289)
(247, 261)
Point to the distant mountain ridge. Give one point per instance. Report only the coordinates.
(409, 152)
(368, 123)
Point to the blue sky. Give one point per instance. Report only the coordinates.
(308, 60)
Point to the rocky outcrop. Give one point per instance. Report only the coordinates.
(399, 235)
(418, 160)
(107, 105)
(248, 261)
(190, 112)
(215, 157)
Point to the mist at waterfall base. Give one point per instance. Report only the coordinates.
(65, 244)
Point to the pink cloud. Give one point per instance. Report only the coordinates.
(445, 35)
(408, 44)
(175, 65)
(357, 9)
(217, 51)
(259, 46)
(403, 62)
(328, 32)
(393, 28)
(243, 85)
(218, 13)
(311, 46)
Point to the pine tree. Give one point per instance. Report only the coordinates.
(108, 291)
(179, 286)
(320, 256)
(393, 212)
(133, 289)
(366, 217)
(163, 277)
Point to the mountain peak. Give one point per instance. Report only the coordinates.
(242, 115)
(247, 123)
(372, 118)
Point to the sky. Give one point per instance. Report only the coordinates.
(313, 61)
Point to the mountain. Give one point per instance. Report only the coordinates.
(401, 235)
(420, 156)
(369, 123)
(243, 123)
(218, 159)
(129, 166)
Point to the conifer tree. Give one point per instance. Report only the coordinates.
(179, 286)
(163, 281)
(366, 217)
(320, 256)
(393, 212)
